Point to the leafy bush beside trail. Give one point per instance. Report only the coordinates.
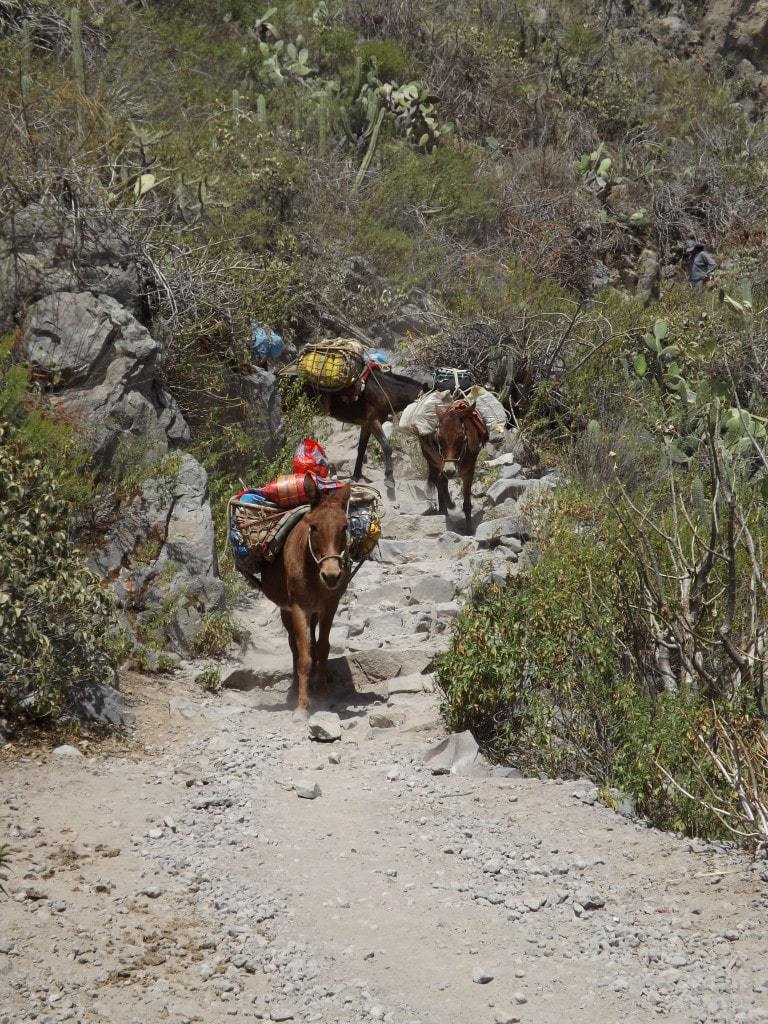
(560, 671)
(56, 624)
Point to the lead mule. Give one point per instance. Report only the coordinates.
(308, 579)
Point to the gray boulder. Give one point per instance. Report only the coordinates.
(100, 364)
(254, 401)
(432, 588)
(162, 546)
(419, 314)
(501, 490)
(324, 726)
(189, 537)
(184, 627)
(47, 248)
(98, 702)
(514, 522)
(458, 754)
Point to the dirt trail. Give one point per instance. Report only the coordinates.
(186, 879)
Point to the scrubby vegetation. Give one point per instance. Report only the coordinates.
(535, 169)
(57, 629)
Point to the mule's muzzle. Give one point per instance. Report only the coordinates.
(449, 468)
(330, 575)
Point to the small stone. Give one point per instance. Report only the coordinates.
(503, 1017)
(414, 683)
(503, 772)
(155, 833)
(170, 823)
(520, 998)
(381, 720)
(334, 758)
(393, 775)
(589, 900)
(152, 891)
(481, 977)
(278, 1015)
(325, 727)
(307, 792)
(65, 750)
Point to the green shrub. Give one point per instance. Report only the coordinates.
(215, 635)
(388, 58)
(39, 437)
(533, 668)
(56, 619)
(538, 671)
(448, 183)
(209, 680)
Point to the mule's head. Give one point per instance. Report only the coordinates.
(327, 525)
(452, 435)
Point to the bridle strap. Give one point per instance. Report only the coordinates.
(463, 447)
(342, 559)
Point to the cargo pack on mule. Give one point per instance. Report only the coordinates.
(260, 519)
(332, 365)
(453, 385)
(352, 385)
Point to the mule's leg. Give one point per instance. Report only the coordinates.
(303, 640)
(362, 444)
(324, 646)
(313, 645)
(467, 485)
(386, 447)
(288, 625)
(443, 496)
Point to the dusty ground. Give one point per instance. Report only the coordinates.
(179, 876)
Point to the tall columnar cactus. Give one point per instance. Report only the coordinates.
(78, 54)
(322, 121)
(235, 107)
(25, 79)
(372, 143)
(261, 109)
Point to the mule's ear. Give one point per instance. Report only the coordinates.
(311, 489)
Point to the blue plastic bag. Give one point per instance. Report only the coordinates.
(251, 498)
(267, 344)
(376, 357)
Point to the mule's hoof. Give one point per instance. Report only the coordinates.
(300, 715)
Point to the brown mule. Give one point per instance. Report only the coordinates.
(307, 581)
(384, 395)
(452, 450)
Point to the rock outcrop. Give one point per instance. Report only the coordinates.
(161, 551)
(47, 247)
(738, 27)
(100, 365)
(254, 401)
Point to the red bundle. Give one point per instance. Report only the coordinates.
(310, 458)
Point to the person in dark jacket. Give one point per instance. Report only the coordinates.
(700, 264)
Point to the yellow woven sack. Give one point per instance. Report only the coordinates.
(331, 365)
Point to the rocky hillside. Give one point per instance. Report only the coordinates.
(509, 189)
